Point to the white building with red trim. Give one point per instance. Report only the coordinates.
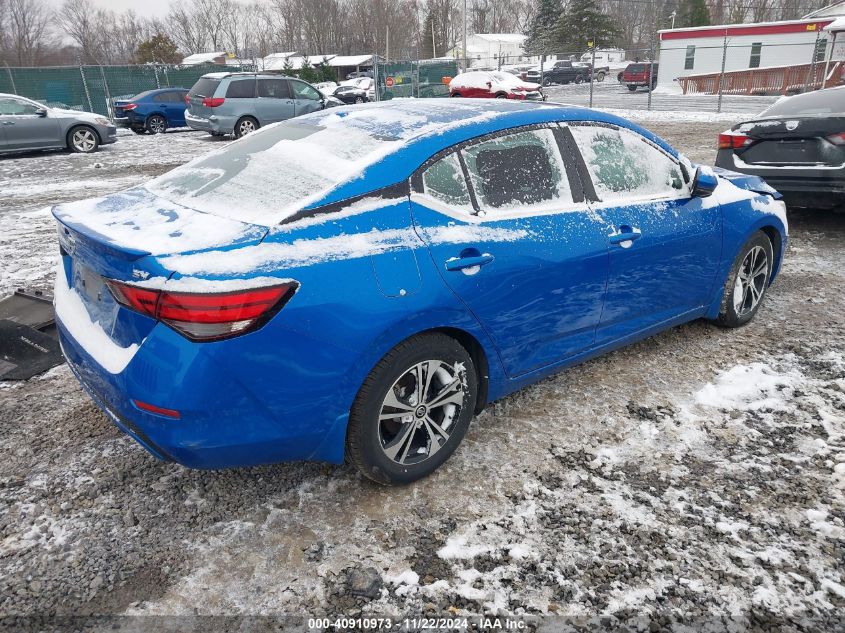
(700, 50)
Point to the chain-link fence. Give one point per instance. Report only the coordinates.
(422, 78)
(92, 88)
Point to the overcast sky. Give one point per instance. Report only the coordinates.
(155, 8)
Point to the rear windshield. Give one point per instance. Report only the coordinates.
(830, 101)
(141, 95)
(266, 177)
(205, 87)
(635, 68)
(269, 175)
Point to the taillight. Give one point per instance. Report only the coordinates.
(130, 106)
(213, 102)
(729, 140)
(837, 139)
(187, 99)
(207, 316)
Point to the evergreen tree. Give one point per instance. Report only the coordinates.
(541, 33)
(287, 68)
(159, 49)
(325, 72)
(584, 22)
(693, 13)
(308, 72)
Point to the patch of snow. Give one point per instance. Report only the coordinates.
(71, 311)
(749, 387)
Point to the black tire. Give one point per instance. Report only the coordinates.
(366, 432)
(455, 94)
(75, 138)
(619, 76)
(501, 95)
(245, 125)
(735, 310)
(547, 82)
(359, 99)
(579, 79)
(632, 88)
(156, 124)
(600, 77)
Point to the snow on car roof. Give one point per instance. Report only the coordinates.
(340, 153)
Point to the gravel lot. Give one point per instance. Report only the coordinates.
(698, 473)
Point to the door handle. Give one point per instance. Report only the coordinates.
(625, 234)
(8, 122)
(460, 263)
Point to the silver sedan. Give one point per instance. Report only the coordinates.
(28, 125)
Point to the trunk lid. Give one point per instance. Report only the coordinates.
(124, 237)
(792, 141)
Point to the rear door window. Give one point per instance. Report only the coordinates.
(241, 89)
(205, 87)
(522, 171)
(624, 165)
(274, 88)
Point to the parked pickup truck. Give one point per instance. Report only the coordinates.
(561, 72)
(636, 75)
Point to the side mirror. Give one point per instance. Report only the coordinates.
(42, 112)
(704, 183)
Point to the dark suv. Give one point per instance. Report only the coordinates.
(637, 74)
(561, 72)
(238, 103)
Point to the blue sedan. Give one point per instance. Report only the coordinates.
(357, 283)
(152, 111)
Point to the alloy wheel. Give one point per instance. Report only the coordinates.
(157, 125)
(420, 410)
(246, 126)
(84, 140)
(750, 281)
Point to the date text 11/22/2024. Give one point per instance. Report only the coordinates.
(478, 623)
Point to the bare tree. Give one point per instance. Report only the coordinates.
(26, 29)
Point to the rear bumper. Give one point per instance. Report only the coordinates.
(217, 124)
(800, 186)
(225, 420)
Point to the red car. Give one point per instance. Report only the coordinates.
(637, 74)
(494, 85)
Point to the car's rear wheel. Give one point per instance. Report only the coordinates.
(501, 95)
(245, 125)
(156, 124)
(413, 409)
(83, 139)
(359, 99)
(455, 94)
(747, 282)
(578, 79)
(632, 88)
(600, 77)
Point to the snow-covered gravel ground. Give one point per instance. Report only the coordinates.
(699, 473)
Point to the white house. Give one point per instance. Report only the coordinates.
(699, 50)
(491, 50)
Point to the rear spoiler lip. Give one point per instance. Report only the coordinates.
(94, 240)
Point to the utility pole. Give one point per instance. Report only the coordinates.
(673, 15)
(466, 57)
(722, 74)
(592, 44)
